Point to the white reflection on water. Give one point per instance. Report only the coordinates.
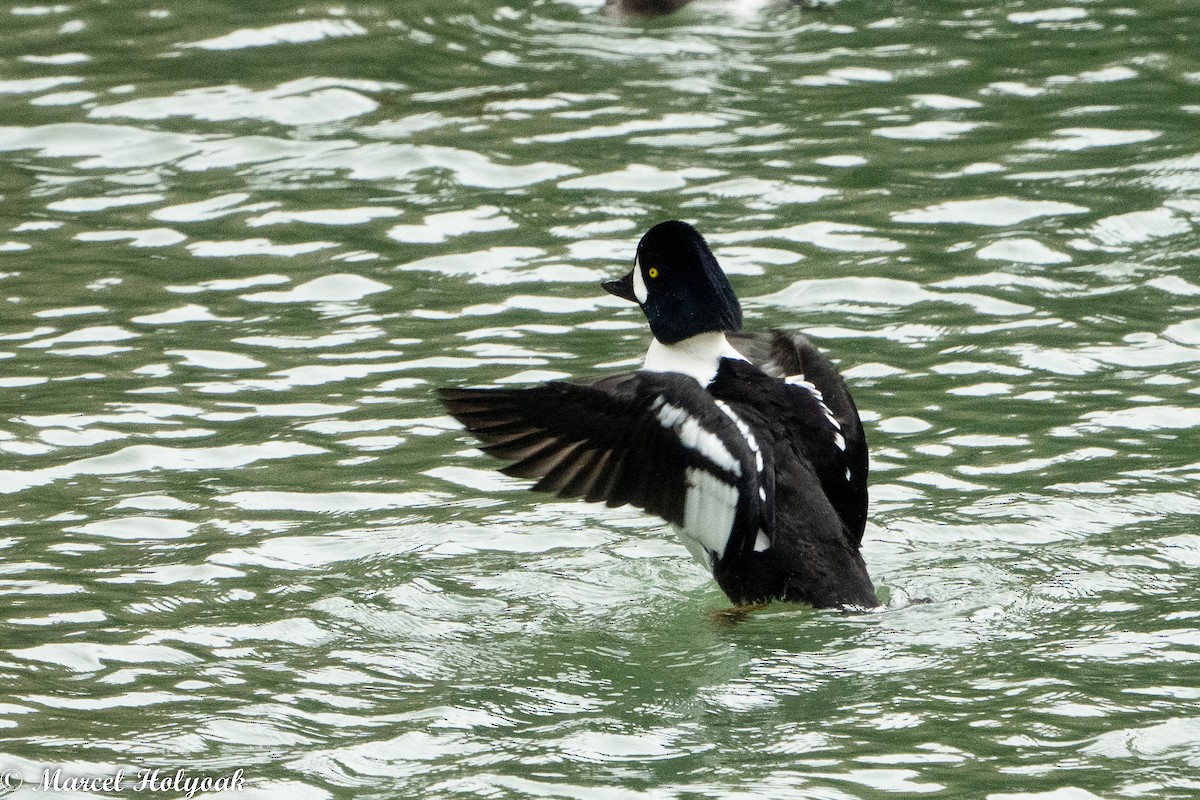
(1000, 211)
(149, 458)
(82, 656)
(860, 294)
(446, 225)
(286, 33)
(828, 235)
(124, 147)
(305, 101)
(139, 528)
(338, 288)
(928, 130)
(1026, 251)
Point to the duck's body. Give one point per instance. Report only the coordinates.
(644, 8)
(659, 8)
(751, 449)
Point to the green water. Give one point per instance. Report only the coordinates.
(240, 244)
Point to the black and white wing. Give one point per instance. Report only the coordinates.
(824, 409)
(657, 441)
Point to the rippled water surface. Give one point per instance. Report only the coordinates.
(240, 243)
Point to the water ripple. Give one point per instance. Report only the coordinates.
(233, 501)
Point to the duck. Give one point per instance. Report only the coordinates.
(644, 8)
(748, 445)
(661, 8)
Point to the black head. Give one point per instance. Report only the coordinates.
(679, 285)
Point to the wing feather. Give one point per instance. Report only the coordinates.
(544, 459)
(562, 476)
(789, 355)
(609, 441)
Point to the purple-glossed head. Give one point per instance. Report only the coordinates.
(679, 285)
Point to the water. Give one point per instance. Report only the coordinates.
(241, 243)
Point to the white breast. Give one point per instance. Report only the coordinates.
(697, 356)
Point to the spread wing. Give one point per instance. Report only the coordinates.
(823, 409)
(657, 441)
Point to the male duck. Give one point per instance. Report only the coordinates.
(659, 8)
(644, 8)
(752, 449)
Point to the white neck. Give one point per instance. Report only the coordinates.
(697, 356)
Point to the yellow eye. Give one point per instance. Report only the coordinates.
(652, 272)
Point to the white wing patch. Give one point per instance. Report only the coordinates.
(761, 542)
(694, 437)
(747, 434)
(804, 383)
(708, 512)
(710, 503)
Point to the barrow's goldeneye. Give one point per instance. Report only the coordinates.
(659, 8)
(748, 445)
(644, 8)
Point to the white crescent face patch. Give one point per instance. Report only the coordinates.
(639, 283)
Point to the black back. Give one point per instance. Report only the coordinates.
(814, 556)
(782, 354)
